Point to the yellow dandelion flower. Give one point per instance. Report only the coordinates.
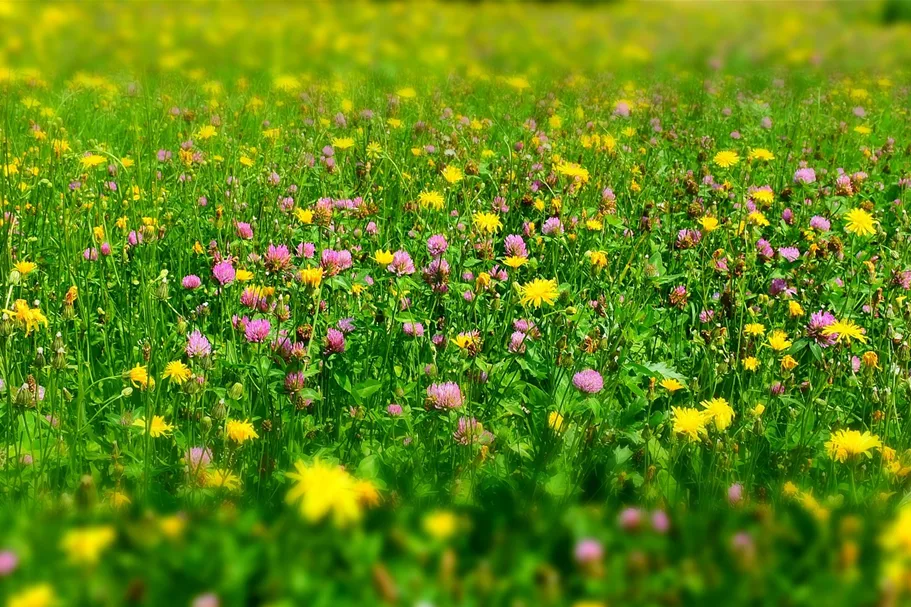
(539, 291)
(342, 143)
(487, 222)
(726, 159)
(860, 222)
(688, 421)
(84, 546)
(779, 341)
(240, 431)
(671, 385)
(452, 174)
(177, 372)
(719, 411)
(322, 489)
(157, 427)
(845, 330)
(848, 444)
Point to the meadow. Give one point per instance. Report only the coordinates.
(489, 304)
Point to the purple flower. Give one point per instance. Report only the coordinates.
(335, 341)
(447, 395)
(334, 262)
(820, 223)
(735, 494)
(394, 410)
(257, 330)
(197, 345)
(660, 521)
(224, 272)
(630, 519)
(9, 561)
(588, 550)
(191, 281)
(588, 381)
(805, 176)
(789, 253)
(197, 458)
(470, 431)
(515, 246)
(413, 329)
(437, 245)
(552, 227)
(517, 342)
(243, 230)
(401, 263)
(277, 257)
(819, 321)
(295, 382)
(687, 239)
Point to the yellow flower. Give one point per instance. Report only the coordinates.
(177, 372)
(671, 385)
(760, 154)
(487, 222)
(539, 291)
(119, 499)
(30, 318)
(138, 376)
(247, 161)
(779, 341)
(860, 223)
(795, 309)
(322, 490)
(312, 277)
(758, 218)
(863, 129)
(40, 595)
(243, 275)
(432, 199)
(25, 267)
(573, 170)
(84, 546)
(789, 489)
(750, 363)
(172, 526)
(343, 143)
(709, 223)
(688, 421)
(598, 259)
(848, 444)
(91, 161)
(222, 479)
(383, 258)
(441, 525)
(870, 359)
(555, 421)
(846, 330)
(788, 362)
(206, 132)
(594, 225)
(452, 174)
(158, 427)
(763, 195)
(304, 216)
(515, 261)
(464, 341)
(726, 159)
(754, 329)
(407, 93)
(758, 409)
(240, 431)
(719, 411)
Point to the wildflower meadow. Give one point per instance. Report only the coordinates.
(455, 304)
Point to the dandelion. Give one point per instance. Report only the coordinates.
(240, 431)
(157, 427)
(726, 159)
(487, 222)
(452, 174)
(85, 546)
(846, 445)
(432, 199)
(778, 341)
(28, 317)
(538, 291)
(138, 376)
(383, 258)
(323, 490)
(688, 421)
(719, 411)
(860, 222)
(39, 595)
(177, 372)
(25, 267)
(671, 385)
(844, 331)
(441, 525)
